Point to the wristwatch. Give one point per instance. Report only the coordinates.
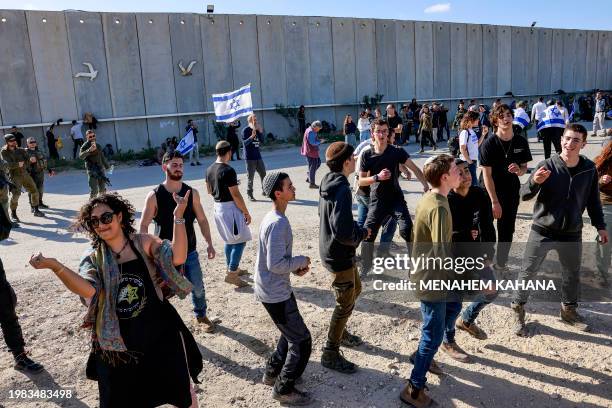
(376, 178)
(179, 221)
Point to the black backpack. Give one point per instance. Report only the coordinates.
(453, 146)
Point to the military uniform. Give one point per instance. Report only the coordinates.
(19, 176)
(37, 172)
(95, 164)
(4, 187)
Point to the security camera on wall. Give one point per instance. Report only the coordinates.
(210, 8)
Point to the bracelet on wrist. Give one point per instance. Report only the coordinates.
(179, 221)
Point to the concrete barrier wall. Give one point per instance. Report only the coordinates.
(288, 60)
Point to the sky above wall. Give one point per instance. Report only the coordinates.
(588, 15)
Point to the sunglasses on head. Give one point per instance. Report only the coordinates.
(106, 218)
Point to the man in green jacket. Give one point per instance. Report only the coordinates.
(18, 160)
(4, 190)
(95, 164)
(36, 169)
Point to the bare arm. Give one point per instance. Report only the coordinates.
(487, 175)
(72, 280)
(202, 222)
(417, 172)
(365, 179)
(465, 153)
(148, 213)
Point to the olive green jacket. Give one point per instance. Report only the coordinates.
(13, 157)
(41, 163)
(93, 159)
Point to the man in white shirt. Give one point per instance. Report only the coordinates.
(536, 113)
(76, 134)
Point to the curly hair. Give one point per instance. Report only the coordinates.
(499, 112)
(117, 204)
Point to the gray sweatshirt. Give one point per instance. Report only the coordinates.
(274, 261)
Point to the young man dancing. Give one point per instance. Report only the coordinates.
(274, 266)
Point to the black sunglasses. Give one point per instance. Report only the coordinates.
(105, 219)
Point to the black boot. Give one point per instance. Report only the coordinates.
(42, 205)
(37, 212)
(24, 363)
(14, 216)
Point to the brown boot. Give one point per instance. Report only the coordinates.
(434, 368)
(455, 352)
(471, 328)
(242, 272)
(570, 316)
(415, 397)
(519, 319)
(233, 279)
(209, 326)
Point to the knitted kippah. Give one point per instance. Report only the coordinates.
(337, 150)
(221, 144)
(269, 181)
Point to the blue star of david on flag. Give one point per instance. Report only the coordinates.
(232, 105)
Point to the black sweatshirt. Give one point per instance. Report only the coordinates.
(473, 212)
(339, 234)
(563, 197)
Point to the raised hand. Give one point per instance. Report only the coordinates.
(541, 175)
(181, 203)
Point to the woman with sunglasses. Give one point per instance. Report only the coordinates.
(142, 354)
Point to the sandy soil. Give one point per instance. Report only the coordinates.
(555, 367)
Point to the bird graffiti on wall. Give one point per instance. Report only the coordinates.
(92, 74)
(186, 71)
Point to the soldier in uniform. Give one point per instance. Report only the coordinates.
(36, 169)
(95, 164)
(18, 161)
(5, 184)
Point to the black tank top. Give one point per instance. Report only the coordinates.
(165, 217)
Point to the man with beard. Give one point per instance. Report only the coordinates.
(159, 207)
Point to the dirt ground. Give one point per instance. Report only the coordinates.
(555, 367)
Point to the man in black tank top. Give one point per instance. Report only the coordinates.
(159, 207)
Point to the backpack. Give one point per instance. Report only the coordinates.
(453, 146)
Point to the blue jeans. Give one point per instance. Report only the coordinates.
(438, 324)
(472, 168)
(388, 229)
(364, 135)
(313, 165)
(233, 253)
(471, 312)
(350, 139)
(193, 272)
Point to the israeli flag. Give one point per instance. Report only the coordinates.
(521, 118)
(186, 144)
(551, 117)
(232, 105)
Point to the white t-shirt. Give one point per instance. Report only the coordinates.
(363, 124)
(470, 139)
(76, 131)
(537, 110)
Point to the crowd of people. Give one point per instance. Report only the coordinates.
(127, 277)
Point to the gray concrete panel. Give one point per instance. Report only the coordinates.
(86, 43)
(519, 57)
(186, 42)
(489, 59)
(345, 86)
(51, 59)
(297, 67)
(442, 60)
(474, 49)
(504, 59)
(157, 74)
(245, 56)
(406, 61)
(423, 45)
(556, 61)
(591, 59)
(272, 70)
(365, 58)
(459, 62)
(604, 53)
(580, 58)
(18, 91)
(386, 63)
(569, 61)
(321, 62)
(125, 79)
(531, 63)
(545, 37)
(217, 58)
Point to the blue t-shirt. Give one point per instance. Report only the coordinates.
(251, 146)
